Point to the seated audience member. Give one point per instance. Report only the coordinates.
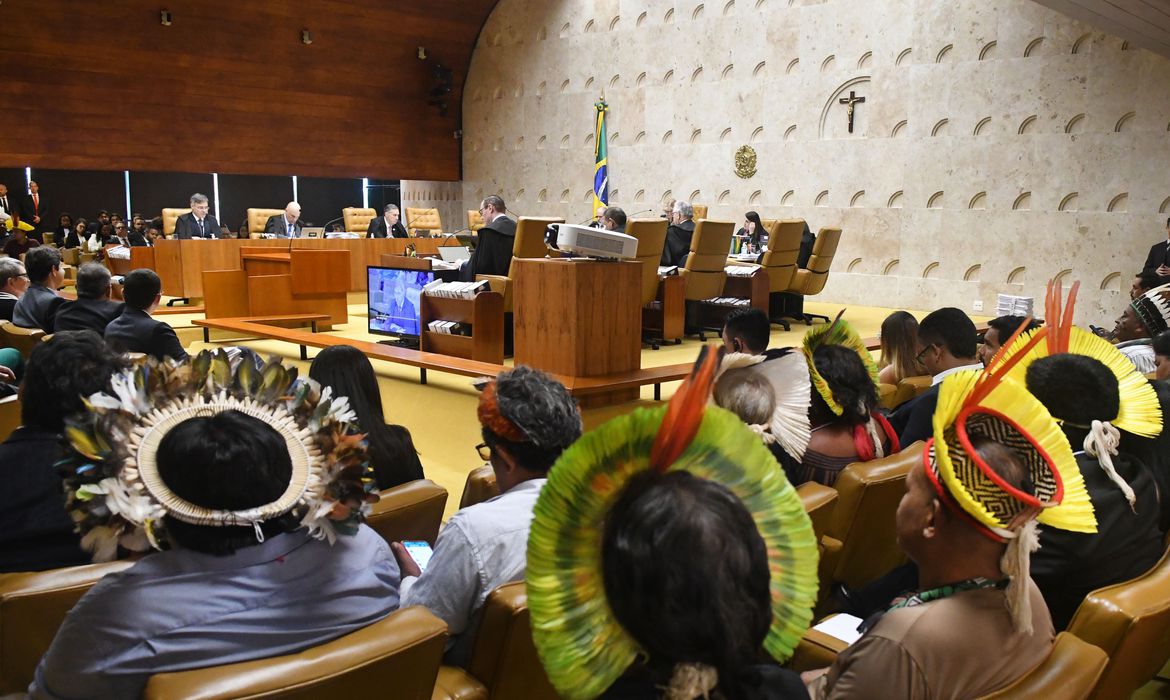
(140, 238)
(36, 533)
(947, 343)
(64, 228)
(752, 232)
(666, 534)
(1161, 355)
(899, 336)
(678, 235)
(975, 622)
(121, 235)
(102, 219)
(1159, 256)
(220, 593)
(138, 224)
(808, 239)
(748, 331)
(78, 235)
(19, 243)
(39, 303)
(387, 224)
(286, 225)
(197, 223)
(92, 310)
(527, 419)
(998, 331)
(348, 372)
(135, 330)
(13, 283)
(1142, 319)
(493, 254)
(613, 219)
(1142, 283)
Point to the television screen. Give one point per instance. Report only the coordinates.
(393, 296)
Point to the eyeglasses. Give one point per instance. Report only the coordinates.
(485, 451)
(918, 357)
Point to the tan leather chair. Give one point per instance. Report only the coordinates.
(474, 220)
(1070, 672)
(700, 211)
(529, 243)
(915, 386)
(860, 543)
(503, 662)
(480, 486)
(9, 416)
(423, 222)
(22, 339)
(1131, 622)
(32, 607)
(399, 654)
(819, 502)
(258, 219)
(651, 235)
(169, 217)
(412, 511)
(705, 272)
(811, 280)
(779, 261)
(357, 220)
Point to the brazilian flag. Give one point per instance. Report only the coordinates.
(600, 160)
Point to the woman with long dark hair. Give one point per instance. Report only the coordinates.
(350, 374)
(752, 230)
(899, 343)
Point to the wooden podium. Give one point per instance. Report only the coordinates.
(274, 282)
(579, 318)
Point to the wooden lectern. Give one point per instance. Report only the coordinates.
(274, 282)
(579, 318)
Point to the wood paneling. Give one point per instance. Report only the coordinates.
(230, 88)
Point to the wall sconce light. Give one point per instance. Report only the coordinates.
(165, 18)
(306, 37)
(422, 53)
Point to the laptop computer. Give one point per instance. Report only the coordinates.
(453, 253)
(313, 232)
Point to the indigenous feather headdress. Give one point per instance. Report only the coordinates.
(836, 333)
(789, 380)
(113, 488)
(1139, 412)
(989, 405)
(581, 645)
(1153, 309)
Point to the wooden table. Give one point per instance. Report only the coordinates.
(269, 281)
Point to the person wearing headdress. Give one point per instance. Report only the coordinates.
(253, 484)
(527, 420)
(1143, 319)
(1096, 395)
(997, 464)
(669, 557)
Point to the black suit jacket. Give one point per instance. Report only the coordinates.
(13, 208)
(136, 331)
(493, 253)
(912, 420)
(377, 229)
(139, 240)
(6, 307)
(186, 227)
(86, 315)
(678, 243)
(1159, 255)
(28, 211)
(277, 226)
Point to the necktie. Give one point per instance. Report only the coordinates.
(290, 230)
(37, 204)
(4, 203)
(201, 231)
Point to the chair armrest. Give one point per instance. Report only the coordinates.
(816, 650)
(454, 683)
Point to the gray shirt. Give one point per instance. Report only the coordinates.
(36, 308)
(481, 547)
(180, 610)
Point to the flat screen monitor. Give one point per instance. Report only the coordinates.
(393, 298)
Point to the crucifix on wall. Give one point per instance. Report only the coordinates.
(852, 100)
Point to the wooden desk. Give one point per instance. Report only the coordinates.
(272, 282)
(579, 318)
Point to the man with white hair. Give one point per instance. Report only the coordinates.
(286, 225)
(197, 223)
(678, 236)
(386, 225)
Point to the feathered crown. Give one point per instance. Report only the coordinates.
(113, 487)
(1153, 309)
(836, 333)
(789, 380)
(582, 647)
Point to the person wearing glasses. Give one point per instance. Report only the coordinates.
(13, 282)
(493, 253)
(527, 420)
(947, 343)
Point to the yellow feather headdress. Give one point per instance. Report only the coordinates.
(836, 333)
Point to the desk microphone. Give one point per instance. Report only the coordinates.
(330, 223)
(410, 224)
(639, 213)
(447, 236)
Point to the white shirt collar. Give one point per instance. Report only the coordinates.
(948, 372)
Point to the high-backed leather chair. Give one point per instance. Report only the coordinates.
(913, 386)
(860, 543)
(819, 502)
(503, 662)
(169, 217)
(1070, 672)
(480, 486)
(32, 607)
(9, 416)
(811, 280)
(412, 511)
(357, 220)
(700, 211)
(22, 339)
(425, 222)
(651, 235)
(1131, 622)
(779, 261)
(529, 243)
(399, 655)
(705, 271)
(474, 220)
(258, 219)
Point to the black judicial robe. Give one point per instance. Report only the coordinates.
(493, 253)
(678, 243)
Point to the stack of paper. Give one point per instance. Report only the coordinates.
(741, 270)
(449, 327)
(728, 301)
(1011, 305)
(455, 290)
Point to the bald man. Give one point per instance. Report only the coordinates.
(286, 225)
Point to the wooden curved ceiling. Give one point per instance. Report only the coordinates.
(230, 87)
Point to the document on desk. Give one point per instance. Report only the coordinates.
(842, 626)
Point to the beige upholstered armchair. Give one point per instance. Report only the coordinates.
(169, 217)
(258, 219)
(357, 220)
(425, 222)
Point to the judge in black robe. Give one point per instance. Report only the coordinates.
(493, 252)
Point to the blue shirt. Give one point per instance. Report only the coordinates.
(181, 610)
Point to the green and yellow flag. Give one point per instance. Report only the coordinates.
(600, 160)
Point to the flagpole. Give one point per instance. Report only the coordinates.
(600, 157)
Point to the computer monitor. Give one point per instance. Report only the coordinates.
(393, 298)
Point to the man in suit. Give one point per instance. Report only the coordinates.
(32, 207)
(39, 303)
(7, 207)
(387, 222)
(1158, 257)
(135, 330)
(286, 225)
(13, 282)
(613, 219)
(197, 223)
(92, 310)
(678, 236)
(493, 253)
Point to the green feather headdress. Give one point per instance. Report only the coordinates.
(836, 333)
(116, 496)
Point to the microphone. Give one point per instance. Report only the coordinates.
(330, 223)
(639, 213)
(448, 236)
(410, 223)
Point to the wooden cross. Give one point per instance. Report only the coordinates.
(851, 100)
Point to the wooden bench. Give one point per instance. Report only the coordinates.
(282, 321)
(577, 386)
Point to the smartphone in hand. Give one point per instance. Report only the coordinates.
(419, 551)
